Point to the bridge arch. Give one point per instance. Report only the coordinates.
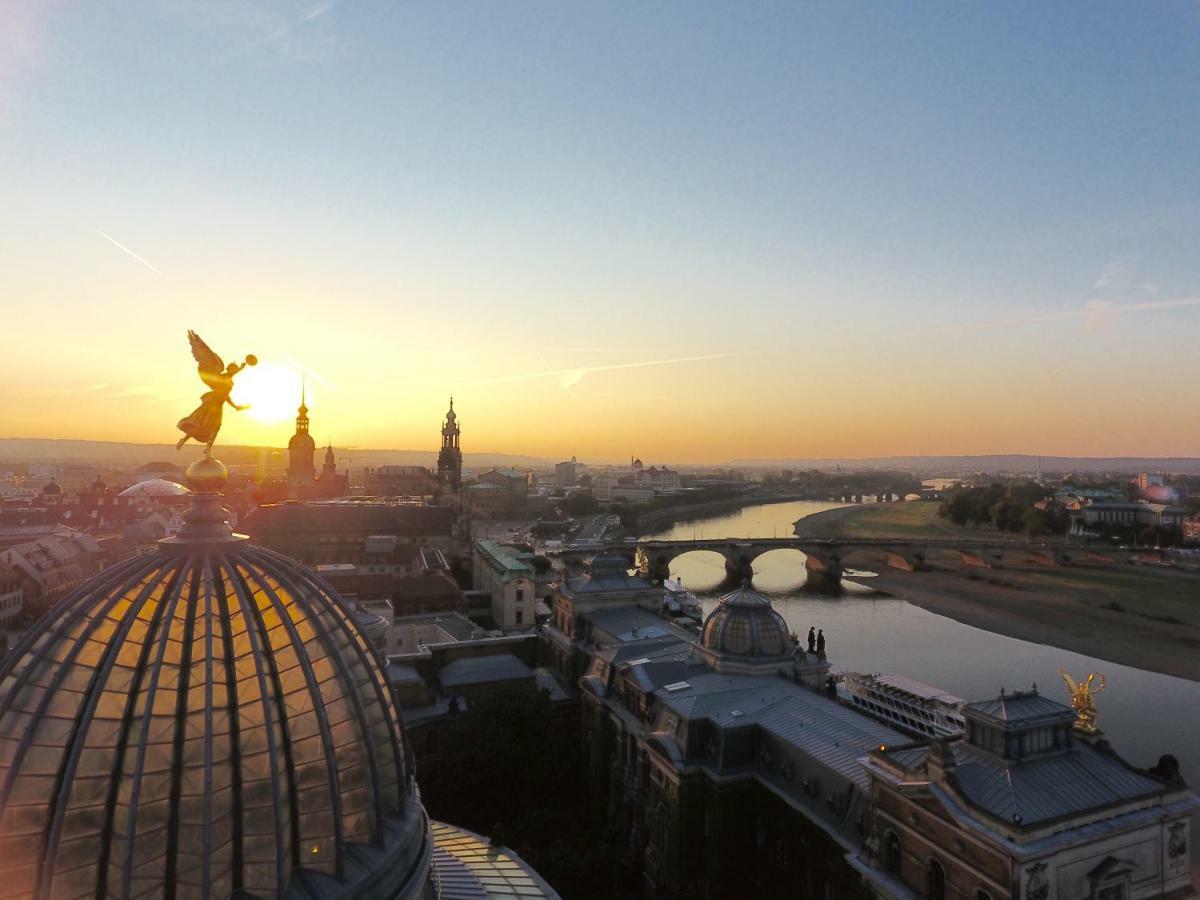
(779, 568)
(700, 568)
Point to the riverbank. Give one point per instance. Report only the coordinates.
(653, 521)
(902, 521)
(1136, 616)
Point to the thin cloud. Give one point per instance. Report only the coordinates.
(1120, 276)
(316, 376)
(288, 37)
(1093, 314)
(112, 240)
(568, 378)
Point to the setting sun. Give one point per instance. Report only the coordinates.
(272, 391)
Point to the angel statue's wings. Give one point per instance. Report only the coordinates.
(1071, 685)
(1092, 677)
(207, 361)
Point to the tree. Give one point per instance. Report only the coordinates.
(1035, 522)
(581, 503)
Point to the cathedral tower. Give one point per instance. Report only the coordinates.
(301, 450)
(450, 457)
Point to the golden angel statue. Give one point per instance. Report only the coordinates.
(1082, 694)
(641, 562)
(205, 421)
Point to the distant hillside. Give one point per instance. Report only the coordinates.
(1013, 462)
(122, 454)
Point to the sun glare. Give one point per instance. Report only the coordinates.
(271, 389)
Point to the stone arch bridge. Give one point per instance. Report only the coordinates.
(827, 559)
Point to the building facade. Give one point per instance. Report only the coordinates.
(727, 768)
(1024, 806)
(506, 575)
(321, 533)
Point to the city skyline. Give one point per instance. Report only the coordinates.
(818, 232)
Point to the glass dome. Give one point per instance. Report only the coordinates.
(204, 721)
(745, 624)
(155, 487)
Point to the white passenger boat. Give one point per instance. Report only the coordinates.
(678, 601)
(904, 703)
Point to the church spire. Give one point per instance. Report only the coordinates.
(450, 457)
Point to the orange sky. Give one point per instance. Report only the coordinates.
(790, 234)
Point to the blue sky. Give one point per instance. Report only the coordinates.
(806, 189)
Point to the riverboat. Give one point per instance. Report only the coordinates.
(680, 602)
(904, 703)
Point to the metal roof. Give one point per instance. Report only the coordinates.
(1019, 708)
(509, 559)
(632, 623)
(1053, 787)
(832, 734)
(483, 670)
(918, 689)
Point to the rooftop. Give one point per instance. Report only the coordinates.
(483, 670)
(511, 560)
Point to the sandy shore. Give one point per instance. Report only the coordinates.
(1142, 616)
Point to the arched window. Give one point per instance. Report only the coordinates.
(891, 852)
(937, 881)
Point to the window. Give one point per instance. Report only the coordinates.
(1112, 892)
(937, 881)
(520, 595)
(892, 854)
(520, 615)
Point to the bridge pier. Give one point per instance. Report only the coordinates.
(738, 567)
(824, 572)
(660, 569)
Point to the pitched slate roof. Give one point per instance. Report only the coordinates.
(1053, 787)
(1019, 708)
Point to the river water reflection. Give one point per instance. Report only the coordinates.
(1143, 713)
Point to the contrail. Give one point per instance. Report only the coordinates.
(311, 373)
(1093, 312)
(570, 377)
(112, 240)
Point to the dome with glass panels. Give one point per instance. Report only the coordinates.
(205, 721)
(745, 626)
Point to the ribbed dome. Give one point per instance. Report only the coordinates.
(745, 624)
(205, 721)
(302, 440)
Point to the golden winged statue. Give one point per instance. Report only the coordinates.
(641, 562)
(1082, 694)
(205, 421)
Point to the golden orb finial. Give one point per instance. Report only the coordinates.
(207, 475)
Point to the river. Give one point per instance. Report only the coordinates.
(1143, 713)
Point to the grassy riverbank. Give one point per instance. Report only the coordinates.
(902, 521)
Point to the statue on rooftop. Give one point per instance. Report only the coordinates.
(205, 421)
(1082, 694)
